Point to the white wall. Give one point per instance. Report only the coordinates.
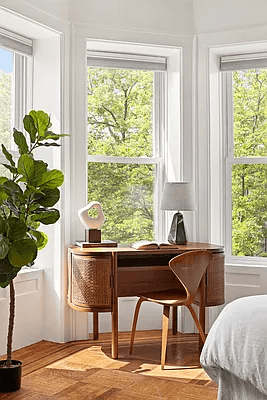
(169, 16)
(28, 326)
(222, 15)
(41, 311)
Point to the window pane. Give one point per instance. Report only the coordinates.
(125, 192)
(249, 215)
(250, 112)
(120, 112)
(4, 171)
(6, 77)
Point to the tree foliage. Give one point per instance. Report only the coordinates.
(5, 107)
(120, 115)
(249, 181)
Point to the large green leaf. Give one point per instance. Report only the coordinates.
(2, 225)
(7, 272)
(4, 246)
(52, 179)
(22, 252)
(16, 229)
(8, 155)
(49, 144)
(40, 168)
(54, 136)
(30, 127)
(26, 167)
(3, 195)
(49, 197)
(46, 217)
(20, 141)
(12, 169)
(51, 135)
(13, 189)
(42, 122)
(41, 238)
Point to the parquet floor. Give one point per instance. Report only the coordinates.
(84, 370)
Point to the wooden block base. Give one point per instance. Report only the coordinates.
(93, 235)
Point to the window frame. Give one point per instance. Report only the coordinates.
(21, 100)
(159, 132)
(229, 161)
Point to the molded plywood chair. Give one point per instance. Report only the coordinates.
(189, 268)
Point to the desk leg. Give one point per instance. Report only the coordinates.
(114, 314)
(95, 326)
(202, 308)
(115, 331)
(174, 320)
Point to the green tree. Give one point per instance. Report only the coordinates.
(120, 123)
(249, 181)
(5, 107)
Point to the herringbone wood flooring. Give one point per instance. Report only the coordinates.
(84, 370)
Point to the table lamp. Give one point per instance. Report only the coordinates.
(178, 196)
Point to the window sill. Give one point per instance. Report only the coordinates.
(241, 264)
(29, 273)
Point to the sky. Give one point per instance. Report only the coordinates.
(5, 60)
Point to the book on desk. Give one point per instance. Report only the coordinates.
(104, 243)
(152, 245)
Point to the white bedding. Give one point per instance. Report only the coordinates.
(235, 352)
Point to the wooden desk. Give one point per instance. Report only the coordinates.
(98, 276)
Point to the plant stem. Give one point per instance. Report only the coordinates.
(10, 322)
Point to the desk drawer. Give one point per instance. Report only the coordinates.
(137, 280)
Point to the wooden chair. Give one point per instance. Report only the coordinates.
(189, 268)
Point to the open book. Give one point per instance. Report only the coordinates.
(148, 245)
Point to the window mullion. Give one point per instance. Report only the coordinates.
(229, 151)
(123, 160)
(159, 150)
(249, 160)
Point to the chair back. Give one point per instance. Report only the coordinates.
(189, 268)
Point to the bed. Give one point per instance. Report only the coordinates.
(235, 352)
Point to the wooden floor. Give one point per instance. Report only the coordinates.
(84, 370)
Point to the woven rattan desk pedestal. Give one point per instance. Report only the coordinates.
(98, 276)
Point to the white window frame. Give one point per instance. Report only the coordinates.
(144, 62)
(229, 161)
(22, 49)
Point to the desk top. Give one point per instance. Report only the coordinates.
(189, 246)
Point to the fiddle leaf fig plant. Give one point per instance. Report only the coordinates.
(27, 200)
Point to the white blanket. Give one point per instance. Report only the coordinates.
(237, 343)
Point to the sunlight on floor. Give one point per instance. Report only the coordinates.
(94, 358)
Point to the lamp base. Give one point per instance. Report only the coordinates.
(177, 233)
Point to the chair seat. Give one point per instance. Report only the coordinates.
(166, 297)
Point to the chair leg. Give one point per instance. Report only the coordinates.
(165, 326)
(136, 312)
(199, 327)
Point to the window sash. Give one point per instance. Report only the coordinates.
(230, 160)
(159, 125)
(124, 160)
(21, 94)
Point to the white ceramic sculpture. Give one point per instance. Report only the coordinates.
(90, 222)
